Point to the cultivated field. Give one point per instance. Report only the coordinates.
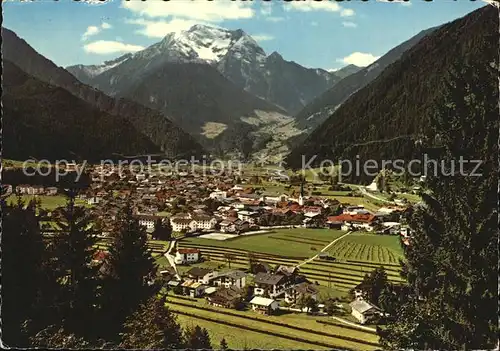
(289, 330)
(293, 246)
(368, 247)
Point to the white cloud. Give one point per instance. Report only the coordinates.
(360, 59)
(347, 13)
(310, 5)
(349, 24)
(274, 19)
(93, 30)
(332, 69)
(210, 11)
(105, 47)
(158, 29)
(262, 37)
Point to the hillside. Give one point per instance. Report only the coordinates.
(316, 112)
(47, 122)
(386, 118)
(169, 138)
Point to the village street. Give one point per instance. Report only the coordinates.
(170, 258)
(323, 249)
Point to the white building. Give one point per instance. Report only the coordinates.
(183, 256)
(248, 216)
(180, 224)
(202, 222)
(264, 305)
(228, 279)
(363, 311)
(147, 221)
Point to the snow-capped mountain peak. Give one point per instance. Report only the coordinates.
(200, 42)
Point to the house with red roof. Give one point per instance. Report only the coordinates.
(187, 255)
(353, 221)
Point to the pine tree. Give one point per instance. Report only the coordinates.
(223, 345)
(129, 269)
(153, 326)
(374, 283)
(22, 260)
(451, 263)
(162, 231)
(73, 250)
(197, 338)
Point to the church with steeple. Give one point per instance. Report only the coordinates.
(301, 195)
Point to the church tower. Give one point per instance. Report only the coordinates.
(301, 195)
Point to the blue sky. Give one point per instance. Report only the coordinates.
(326, 34)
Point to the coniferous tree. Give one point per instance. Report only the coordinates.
(451, 263)
(153, 326)
(197, 338)
(22, 261)
(129, 271)
(162, 231)
(73, 249)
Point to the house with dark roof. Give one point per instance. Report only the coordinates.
(202, 275)
(228, 279)
(229, 297)
(306, 289)
(270, 284)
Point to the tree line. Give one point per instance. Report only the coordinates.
(57, 294)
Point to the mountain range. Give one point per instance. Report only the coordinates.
(217, 84)
(388, 118)
(168, 138)
(235, 54)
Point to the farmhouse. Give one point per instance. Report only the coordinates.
(363, 311)
(304, 288)
(355, 221)
(228, 279)
(226, 297)
(272, 284)
(185, 256)
(202, 275)
(264, 305)
(233, 225)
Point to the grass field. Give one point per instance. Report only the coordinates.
(356, 254)
(285, 327)
(297, 242)
(48, 202)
